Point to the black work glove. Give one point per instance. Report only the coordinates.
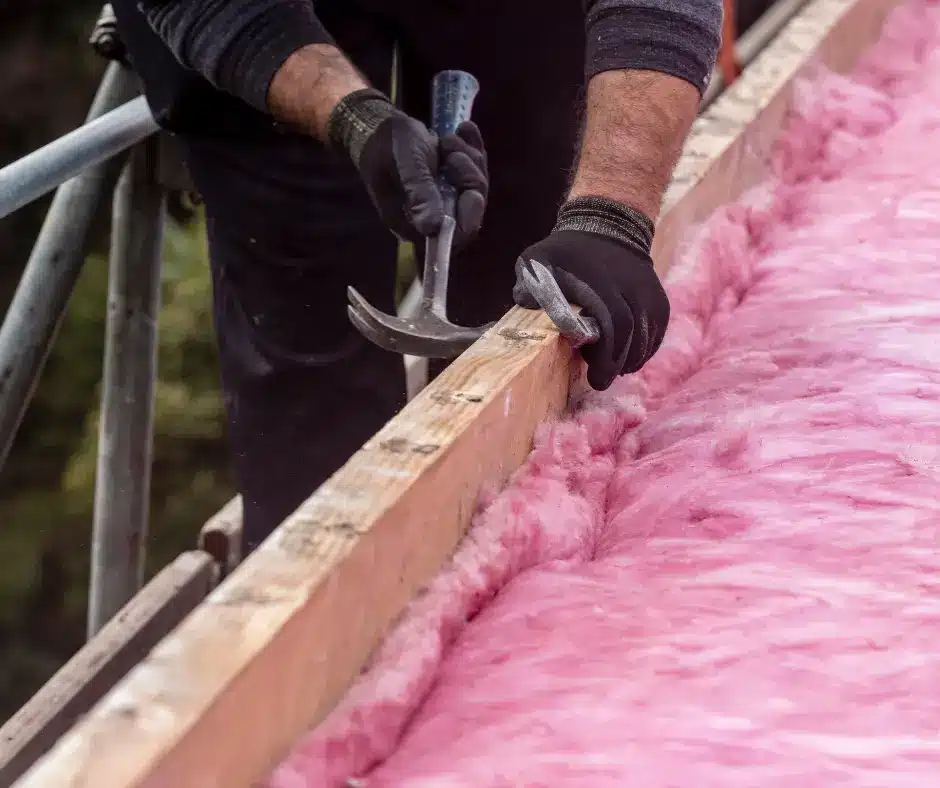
(399, 160)
(599, 253)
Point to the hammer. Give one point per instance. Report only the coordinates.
(429, 333)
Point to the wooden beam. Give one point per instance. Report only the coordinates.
(273, 649)
(103, 661)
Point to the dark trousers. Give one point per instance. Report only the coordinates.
(290, 227)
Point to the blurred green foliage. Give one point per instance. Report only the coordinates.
(46, 495)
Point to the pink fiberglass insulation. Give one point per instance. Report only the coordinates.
(725, 573)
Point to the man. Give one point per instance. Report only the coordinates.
(305, 166)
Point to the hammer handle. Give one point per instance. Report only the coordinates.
(452, 95)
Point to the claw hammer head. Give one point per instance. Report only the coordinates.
(426, 334)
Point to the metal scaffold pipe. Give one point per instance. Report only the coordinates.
(29, 178)
(125, 441)
(31, 322)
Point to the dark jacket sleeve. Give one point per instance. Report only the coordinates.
(237, 45)
(677, 37)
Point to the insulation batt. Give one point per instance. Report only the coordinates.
(724, 573)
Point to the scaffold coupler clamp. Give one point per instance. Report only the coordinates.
(105, 38)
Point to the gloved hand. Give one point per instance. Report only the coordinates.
(599, 254)
(399, 160)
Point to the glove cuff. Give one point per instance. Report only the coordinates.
(355, 118)
(608, 218)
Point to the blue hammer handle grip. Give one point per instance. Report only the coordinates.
(452, 95)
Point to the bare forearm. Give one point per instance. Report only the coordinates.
(310, 84)
(636, 124)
